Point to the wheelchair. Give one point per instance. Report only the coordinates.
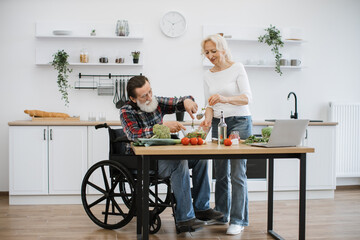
(108, 190)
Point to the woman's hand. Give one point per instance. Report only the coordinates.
(174, 126)
(205, 123)
(216, 98)
(191, 107)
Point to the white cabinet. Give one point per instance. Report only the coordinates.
(67, 158)
(47, 159)
(28, 165)
(321, 163)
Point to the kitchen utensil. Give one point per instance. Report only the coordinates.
(199, 116)
(124, 92)
(116, 94)
(122, 101)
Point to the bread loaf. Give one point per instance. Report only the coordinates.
(38, 113)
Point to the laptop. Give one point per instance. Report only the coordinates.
(286, 133)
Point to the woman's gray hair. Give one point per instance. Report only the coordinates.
(220, 44)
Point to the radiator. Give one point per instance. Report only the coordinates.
(347, 138)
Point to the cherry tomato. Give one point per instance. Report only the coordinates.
(200, 141)
(185, 141)
(194, 141)
(227, 142)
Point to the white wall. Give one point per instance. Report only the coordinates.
(174, 66)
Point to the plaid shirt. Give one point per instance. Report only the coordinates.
(139, 124)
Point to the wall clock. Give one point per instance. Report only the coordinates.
(173, 24)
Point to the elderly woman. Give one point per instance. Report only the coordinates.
(227, 89)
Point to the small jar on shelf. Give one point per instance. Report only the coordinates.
(84, 56)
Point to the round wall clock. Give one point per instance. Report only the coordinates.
(173, 24)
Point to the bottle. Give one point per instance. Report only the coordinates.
(222, 129)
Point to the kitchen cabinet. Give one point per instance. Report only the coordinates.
(47, 159)
(320, 165)
(246, 49)
(104, 44)
(28, 165)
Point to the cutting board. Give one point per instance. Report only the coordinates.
(55, 119)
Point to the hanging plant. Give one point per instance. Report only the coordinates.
(273, 39)
(61, 64)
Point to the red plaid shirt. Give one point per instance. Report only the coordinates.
(139, 124)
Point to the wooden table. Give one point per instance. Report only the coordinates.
(213, 151)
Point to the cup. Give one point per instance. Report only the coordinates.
(295, 62)
(102, 117)
(103, 60)
(91, 117)
(235, 137)
(284, 62)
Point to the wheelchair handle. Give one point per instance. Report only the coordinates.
(104, 125)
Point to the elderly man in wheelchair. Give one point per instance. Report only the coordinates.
(113, 181)
(138, 116)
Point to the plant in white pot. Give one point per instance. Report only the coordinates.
(273, 39)
(61, 64)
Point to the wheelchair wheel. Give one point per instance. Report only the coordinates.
(155, 224)
(163, 201)
(102, 198)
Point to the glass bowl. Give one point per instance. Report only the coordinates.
(196, 132)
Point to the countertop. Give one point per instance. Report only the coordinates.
(117, 123)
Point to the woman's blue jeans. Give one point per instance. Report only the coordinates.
(178, 170)
(232, 199)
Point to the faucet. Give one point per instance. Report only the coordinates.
(295, 115)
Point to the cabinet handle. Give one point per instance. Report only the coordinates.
(51, 134)
(306, 134)
(44, 134)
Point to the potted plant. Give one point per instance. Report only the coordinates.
(136, 56)
(273, 38)
(93, 32)
(61, 64)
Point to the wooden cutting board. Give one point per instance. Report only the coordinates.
(55, 119)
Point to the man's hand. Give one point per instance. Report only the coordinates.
(216, 98)
(191, 107)
(174, 126)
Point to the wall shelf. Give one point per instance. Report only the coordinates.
(105, 44)
(89, 37)
(97, 64)
(262, 66)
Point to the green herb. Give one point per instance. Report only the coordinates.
(254, 139)
(273, 38)
(61, 64)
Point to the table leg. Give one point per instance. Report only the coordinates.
(302, 204)
(270, 194)
(139, 198)
(145, 197)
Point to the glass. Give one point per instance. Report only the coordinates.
(235, 137)
(91, 117)
(102, 117)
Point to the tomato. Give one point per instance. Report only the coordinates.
(194, 141)
(185, 141)
(200, 141)
(227, 142)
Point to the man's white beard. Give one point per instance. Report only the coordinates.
(148, 106)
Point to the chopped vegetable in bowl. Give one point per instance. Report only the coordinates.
(200, 132)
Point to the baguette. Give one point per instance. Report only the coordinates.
(38, 113)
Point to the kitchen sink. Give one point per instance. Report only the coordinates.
(273, 120)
